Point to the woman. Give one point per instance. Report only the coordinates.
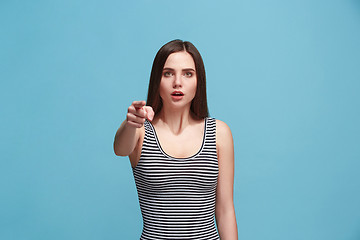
(182, 160)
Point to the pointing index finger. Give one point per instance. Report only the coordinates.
(138, 104)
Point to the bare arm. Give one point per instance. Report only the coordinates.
(128, 133)
(125, 139)
(224, 207)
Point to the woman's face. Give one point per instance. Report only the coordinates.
(178, 80)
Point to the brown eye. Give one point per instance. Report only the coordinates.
(167, 74)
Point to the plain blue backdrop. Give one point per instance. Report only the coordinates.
(284, 75)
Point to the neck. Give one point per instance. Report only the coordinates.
(175, 119)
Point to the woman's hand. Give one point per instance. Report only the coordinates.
(128, 134)
(137, 113)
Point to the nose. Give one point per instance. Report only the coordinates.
(177, 81)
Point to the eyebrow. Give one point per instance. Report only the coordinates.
(184, 70)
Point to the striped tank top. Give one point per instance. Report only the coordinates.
(177, 195)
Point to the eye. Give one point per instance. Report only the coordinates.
(167, 74)
(188, 74)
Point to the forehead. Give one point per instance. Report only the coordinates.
(180, 60)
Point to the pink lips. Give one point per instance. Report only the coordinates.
(177, 95)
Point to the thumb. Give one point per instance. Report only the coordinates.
(149, 112)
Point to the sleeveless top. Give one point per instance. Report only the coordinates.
(177, 195)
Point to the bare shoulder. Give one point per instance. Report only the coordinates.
(224, 144)
(223, 132)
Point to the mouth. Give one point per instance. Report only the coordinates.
(177, 94)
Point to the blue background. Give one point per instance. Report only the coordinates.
(284, 75)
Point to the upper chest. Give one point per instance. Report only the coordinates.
(184, 144)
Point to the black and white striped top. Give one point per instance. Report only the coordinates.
(177, 195)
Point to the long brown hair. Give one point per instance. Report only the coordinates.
(199, 103)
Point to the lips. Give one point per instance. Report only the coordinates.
(177, 93)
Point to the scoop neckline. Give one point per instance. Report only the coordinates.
(172, 157)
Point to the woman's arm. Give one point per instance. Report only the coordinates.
(125, 139)
(224, 207)
(128, 133)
